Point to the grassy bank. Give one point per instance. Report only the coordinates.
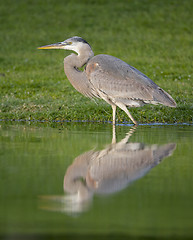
(153, 36)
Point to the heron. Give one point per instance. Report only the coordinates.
(109, 78)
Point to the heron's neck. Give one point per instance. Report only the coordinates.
(72, 63)
(78, 61)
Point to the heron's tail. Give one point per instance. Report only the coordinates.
(164, 98)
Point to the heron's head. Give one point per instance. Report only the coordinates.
(75, 44)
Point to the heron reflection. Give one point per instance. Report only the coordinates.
(107, 171)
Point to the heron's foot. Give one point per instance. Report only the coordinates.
(136, 123)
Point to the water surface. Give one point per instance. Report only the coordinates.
(82, 180)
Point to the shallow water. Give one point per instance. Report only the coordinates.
(80, 180)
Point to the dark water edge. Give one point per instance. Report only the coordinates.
(97, 122)
(87, 237)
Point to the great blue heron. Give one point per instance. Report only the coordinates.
(109, 78)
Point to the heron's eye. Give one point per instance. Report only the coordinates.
(69, 43)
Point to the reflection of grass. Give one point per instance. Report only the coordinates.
(154, 36)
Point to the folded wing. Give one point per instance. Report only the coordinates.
(121, 82)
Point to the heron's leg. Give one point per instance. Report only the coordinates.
(114, 135)
(114, 113)
(124, 108)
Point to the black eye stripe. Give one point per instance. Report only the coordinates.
(76, 39)
(79, 39)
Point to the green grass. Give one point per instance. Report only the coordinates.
(152, 35)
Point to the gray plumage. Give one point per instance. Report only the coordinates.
(113, 168)
(109, 78)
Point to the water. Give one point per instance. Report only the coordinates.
(84, 181)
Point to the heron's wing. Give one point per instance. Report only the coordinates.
(119, 80)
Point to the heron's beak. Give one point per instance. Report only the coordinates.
(59, 45)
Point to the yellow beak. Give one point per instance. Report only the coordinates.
(53, 46)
